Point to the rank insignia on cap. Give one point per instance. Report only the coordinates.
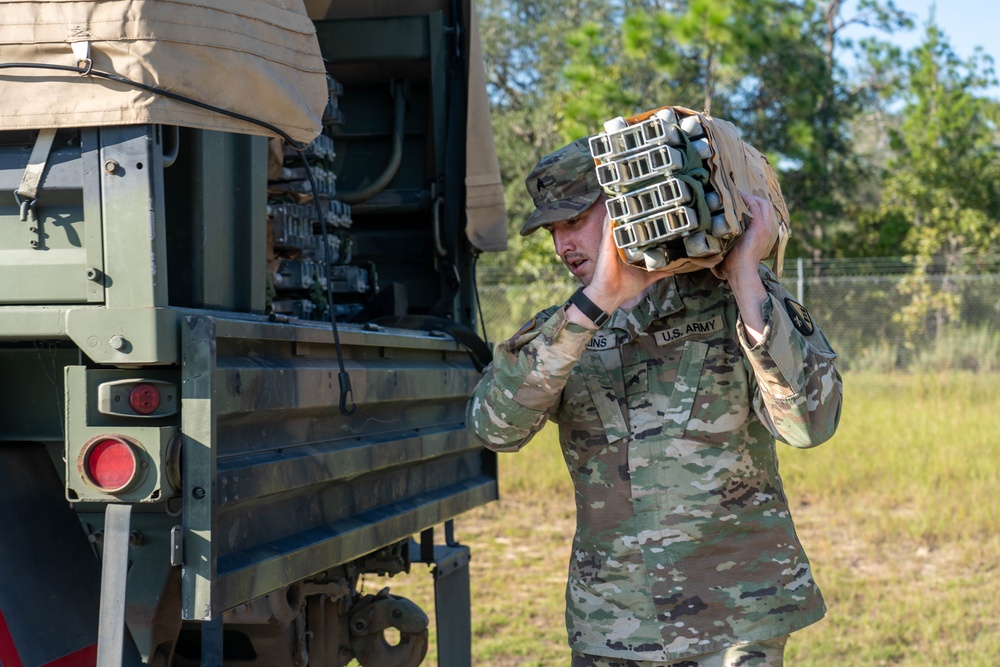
(800, 317)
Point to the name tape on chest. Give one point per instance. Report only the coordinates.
(688, 329)
(603, 341)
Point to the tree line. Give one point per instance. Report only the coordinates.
(896, 154)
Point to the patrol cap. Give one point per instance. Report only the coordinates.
(562, 185)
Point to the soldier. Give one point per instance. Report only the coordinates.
(669, 392)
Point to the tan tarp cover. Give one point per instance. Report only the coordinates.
(486, 226)
(736, 165)
(259, 58)
(487, 223)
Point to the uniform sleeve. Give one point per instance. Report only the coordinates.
(524, 384)
(799, 390)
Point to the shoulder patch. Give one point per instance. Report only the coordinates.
(801, 319)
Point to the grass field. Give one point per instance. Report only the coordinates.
(898, 512)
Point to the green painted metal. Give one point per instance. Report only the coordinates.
(47, 260)
(152, 435)
(296, 487)
(33, 394)
(132, 201)
(217, 206)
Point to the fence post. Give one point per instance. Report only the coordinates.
(800, 282)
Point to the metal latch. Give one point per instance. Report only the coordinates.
(176, 546)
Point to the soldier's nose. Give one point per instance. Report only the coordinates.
(563, 242)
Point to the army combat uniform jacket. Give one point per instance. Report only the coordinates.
(667, 419)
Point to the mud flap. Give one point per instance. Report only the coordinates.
(452, 600)
(49, 574)
(211, 642)
(114, 570)
(50, 577)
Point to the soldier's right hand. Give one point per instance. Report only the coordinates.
(615, 282)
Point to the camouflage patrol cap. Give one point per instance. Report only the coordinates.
(562, 185)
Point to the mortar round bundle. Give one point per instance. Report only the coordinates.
(672, 177)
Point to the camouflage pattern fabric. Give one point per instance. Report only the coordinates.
(562, 185)
(667, 419)
(767, 653)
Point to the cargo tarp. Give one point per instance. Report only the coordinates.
(258, 58)
(487, 213)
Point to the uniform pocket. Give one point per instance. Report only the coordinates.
(590, 403)
(721, 405)
(685, 389)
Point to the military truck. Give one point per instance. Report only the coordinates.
(234, 368)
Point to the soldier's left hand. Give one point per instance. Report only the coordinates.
(757, 240)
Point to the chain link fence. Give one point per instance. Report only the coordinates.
(879, 314)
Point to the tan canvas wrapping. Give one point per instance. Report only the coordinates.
(736, 165)
(259, 58)
(487, 214)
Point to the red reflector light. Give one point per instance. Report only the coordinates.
(144, 398)
(110, 464)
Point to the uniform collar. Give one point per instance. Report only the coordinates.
(661, 300)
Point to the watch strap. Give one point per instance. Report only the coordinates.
(589, 308)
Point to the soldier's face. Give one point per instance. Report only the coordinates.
(578, 240)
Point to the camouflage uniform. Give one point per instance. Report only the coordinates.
(667, 419)
(764, 653)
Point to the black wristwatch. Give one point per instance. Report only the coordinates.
(589, 308)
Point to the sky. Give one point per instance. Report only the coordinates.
(966, 23)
